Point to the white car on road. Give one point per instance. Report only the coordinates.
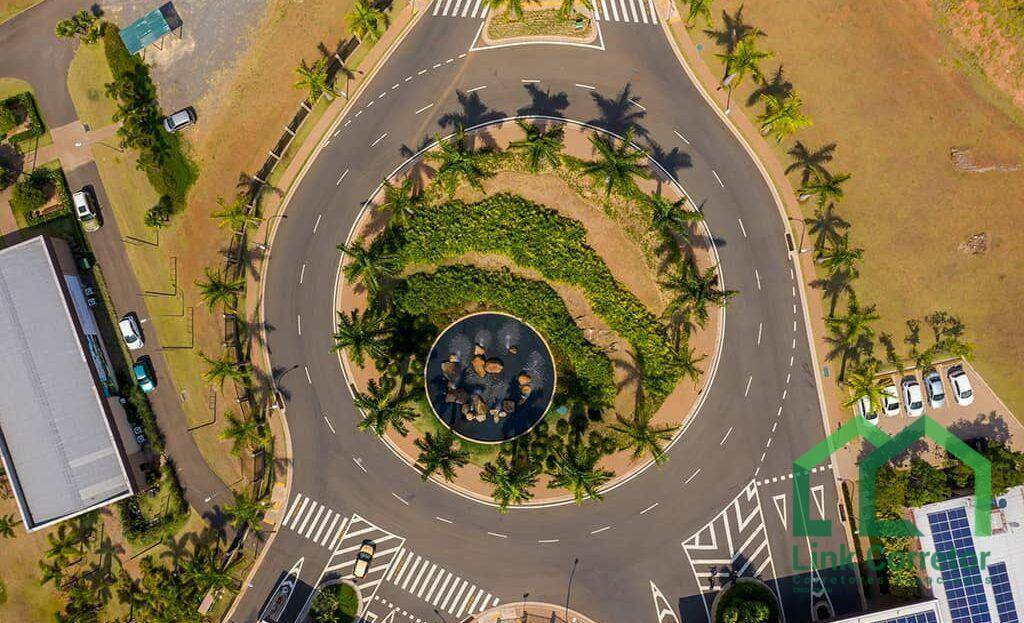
(913, 399)
(963, 393)
(131, 332)
(936, 393)
(85, 209)
(891, 401)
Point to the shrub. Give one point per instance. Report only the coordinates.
(335, 604)
(536, 237)
(747, 602)
(33, 192)
(26, 105)
(900, 572)
(27, 197)
(142, 530)
(7, 119)
(453, 287)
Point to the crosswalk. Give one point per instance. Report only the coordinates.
(314, 521)
(629, 11)
(441, 588)
(343, 559)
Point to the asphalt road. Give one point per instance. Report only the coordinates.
(726, 484)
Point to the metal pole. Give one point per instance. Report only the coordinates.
(568, 590)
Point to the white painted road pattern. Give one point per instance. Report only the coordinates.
(314, 521)
(628, 11)
(733, 543)
(438, 586)
(343, 559)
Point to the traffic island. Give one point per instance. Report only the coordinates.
(529, 612)
(545, 24)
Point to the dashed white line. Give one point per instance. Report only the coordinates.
(788, 376)
(784, 393)
(794, 325)
(794, 344)
(308, 379)
(436, 66)
(763, 454)
(317, 223)
(394, 86)
(585, 86)
(298, 323)
(727, 433)
(600, 530)
(794, 310)
(791, 361)
(681, 137)
(408, 78)
(757, 471)
(528, 81)
(370, 104)
(381, 96)
(637, 104)
(379, 139)
(749, 381)
(775, 425)
(359, 462)
(338, 183)
(498, 534)
(399, 498)
(428, 106)
(769, 444)
(302, 274)
(359, 112)
(692, 476)
(443, 519)
(547, 540)
(757, 276)
(463, 55)
(760, 327)
(779, 412)
(649, 508)
(348, 122)
(742, 228)
(720, 182)
(449, 60)
(336, 133)
(330, 426)
(475, 89)
(421, 72)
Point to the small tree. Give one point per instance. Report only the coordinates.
(7, 119)
(83, 25)
(247, 512)
(782, 115)
(223, 369)
(7, 523)
(217, 289)
(540, 146)
(698, 9)
(315, 79)
(28, 196)
(384, 408)
(366, 21)
(617, 165)
(512, 481)
(159, 216)
(244, 434)
(361, 335)
(438, 453)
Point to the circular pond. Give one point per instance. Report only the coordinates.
(490, 377)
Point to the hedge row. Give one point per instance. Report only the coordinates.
(27, 104)
(534, 302)
(536, 237)
(141, 530)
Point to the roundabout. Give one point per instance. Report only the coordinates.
(642, 552)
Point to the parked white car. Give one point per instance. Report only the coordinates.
(866, 410)
(936, 392)
(913, 399)
(85, 210)
(963, 393)
(891, 401)
(131, 332)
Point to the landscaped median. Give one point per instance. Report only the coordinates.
(563, 228)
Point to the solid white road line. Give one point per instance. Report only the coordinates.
(681, 137)
(599, 530)
(651, 507)
(338, 183)
(379, 139)
(742, 228)
(302, 274)
(720, 182)
(760, 327)
(330, 426)
(317, 223)
(475, 89)
(585, 86)
(308, 379)
(291, 511)
(747, 390)
(428, 106)
(692, 476)
(727, 433)
(399, 498)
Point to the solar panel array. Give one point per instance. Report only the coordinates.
(920, 617)
(1005, 605)
(961, 575)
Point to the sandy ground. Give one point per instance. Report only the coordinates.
(625, 258)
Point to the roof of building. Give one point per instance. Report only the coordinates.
(984, 582)
(921, 612)
(56, 439)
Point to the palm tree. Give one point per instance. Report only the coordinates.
(246, 512)
(809, 161)
(7, 523)
(745, 59)
(540, 145)
(368, 266)
(694, 292)
(366, 21)
(361, 335)
(315, 80)
(863, 382)
(576, 470)
(782, 116)
(457, 163)
(383, 407)
(438, 452)
(244, 434)
(826, 225)
(222, 369)
(219, 289)
(851, 334)
(51, 572)
(401, 200)
(514, 7)
(841, 257)
(824, 185)
(568, 8)
(616, 165)
(671, 218)
(511, 481)
(643, 437)
(698, 9)
(236, 215)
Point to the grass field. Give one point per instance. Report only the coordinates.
(10, 8)
(533, 23)
(881, 82)
(87, 76)
(13, 86)
(26, 599)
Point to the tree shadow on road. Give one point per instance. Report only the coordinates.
(544, 103)
(474, 112)
(618, 114)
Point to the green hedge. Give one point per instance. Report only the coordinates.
(142, 530)
(536, 237)
(29, 195)
(27, 104)
(452, 287)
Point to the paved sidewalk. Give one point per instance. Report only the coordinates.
(71, 145)
(530, 612)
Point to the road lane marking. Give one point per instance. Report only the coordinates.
(498, 534)
(527, 81)
(338, 183)
(599, 530)
(399, 498)
(637, 104)
(742, 228)
(649, 508)
(291, 511)
(760, 327)
(359, 462)
(428, 106)
(330, 426)
(302, 274)
(681, 137)
(298, 323)
(750, 380)
(727, 433)
(585, 86)
(547, 540)
(379, 139)
(443, 519)
(757, 276)
(692, 476)
(788, 376)
(309, 380)
(791, 361)
(436, 66)
(720, 182)
(316, 225)
(475, 89)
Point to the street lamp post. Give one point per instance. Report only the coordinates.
(568, 589)
(803, 230)
(727, 85)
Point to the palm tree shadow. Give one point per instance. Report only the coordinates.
(673, 161)
(776, 86)
(408, 152)
(474, 112)
(733, 29)
(544, 103)
(618, 114)
(810, 161)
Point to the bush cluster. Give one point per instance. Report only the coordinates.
(141, 530)
(34, 190)
(536, 237)
(453, 287)
(17, 109)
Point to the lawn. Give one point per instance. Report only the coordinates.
(10, 8)
(881, 82)
(26, 599)
(87, 76)
(13, 86)
(536, 23)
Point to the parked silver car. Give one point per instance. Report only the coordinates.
(179, 120)
(936, 393)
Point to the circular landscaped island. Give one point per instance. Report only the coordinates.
(490, 377)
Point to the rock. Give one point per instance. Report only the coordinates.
(478, 350)
(975, 245)
(524, 379)
(493, 366)
(479, 365)
(508, 406)
(525, 390)
(480, 417)
(449, 369)
(513, 349)
(479, 406)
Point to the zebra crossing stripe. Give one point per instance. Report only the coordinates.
(437, 580)
(479, 594)
(306, 518)
(323, 526)
(444, 587)
(329, 531)
(394, 565)
(458, 5)
(452, 597)
(412, 572)
(469, 4)
(643, 13)
(447, 5)
(291, 511)
(302, 509)
(654, 13)
(338, 536)
(416, 583)
(465, 603)
(313, 524)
